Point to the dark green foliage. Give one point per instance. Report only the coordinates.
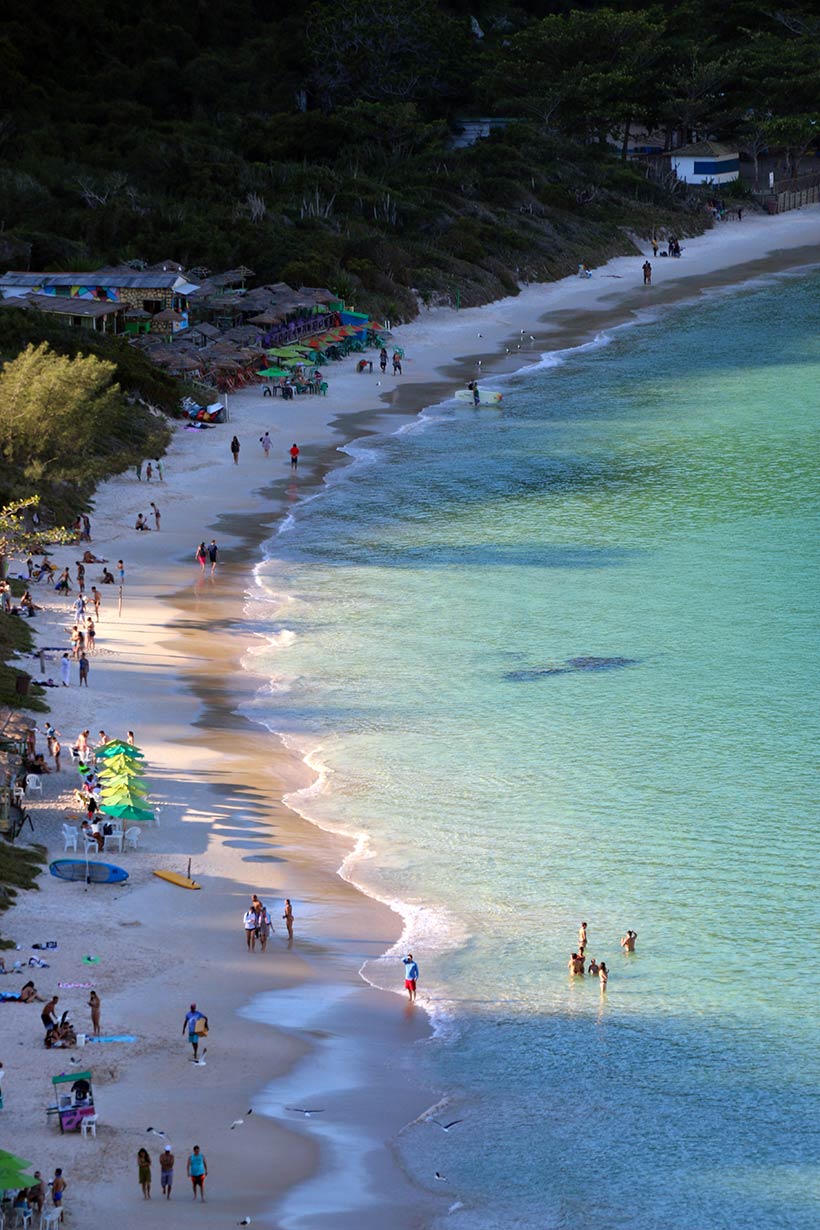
(299, 141)
(19, 868)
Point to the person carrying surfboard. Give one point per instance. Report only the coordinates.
(196, 1026)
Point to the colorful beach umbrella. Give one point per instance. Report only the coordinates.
(271, 373)
(116, 747)
(140, 815)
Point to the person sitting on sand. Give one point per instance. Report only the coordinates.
(64, 583)
(27, 604)
(628, 942)
(141, 523)
(90, 558)
(107, 578)
(28, 994)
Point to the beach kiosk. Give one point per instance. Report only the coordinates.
(75, 1099)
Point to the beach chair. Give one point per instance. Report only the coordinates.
(88, 1126)
(50, 1220)
(69, 838)
(132, 837)
(33, 784)
(91, 846)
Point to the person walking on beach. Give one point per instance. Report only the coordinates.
(138, 470)
(166, 1171)
(160, 470)
(197, 1172)
(149, 472)
(196, 1026)
(213, 552)
(51, 734)
(266, 443)
(121, 571)
(94, 1005)
(628, 942)
(80, 576)
(383, 360)
(56, 749)
(647, 273)
(84, 669)
(49, 1016)
(264, 928)
(288, 917)
(235, 450)
(96, 599)
(250, 922)
(144, 1173)
(155, 511)
(294, 455)
(396, 363)
(411, 976)
(201, 555)
(654, 247)
(65, 670)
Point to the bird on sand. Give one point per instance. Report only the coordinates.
(440, 1177)
(305, 1110)
(238, 1122)
(246, 1221)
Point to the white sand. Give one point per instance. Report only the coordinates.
(219, 785)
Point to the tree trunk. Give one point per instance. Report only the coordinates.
(625, 142)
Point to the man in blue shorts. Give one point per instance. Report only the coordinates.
(194, 1030)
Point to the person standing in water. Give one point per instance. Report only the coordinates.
(582, 935)
(288, 917)
(647, 273)
(628, 942)
(294, 455)
(411, 976)
(603, 975)
(266, 442)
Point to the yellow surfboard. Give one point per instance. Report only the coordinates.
(174, 878)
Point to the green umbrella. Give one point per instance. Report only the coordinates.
(12, 1172)
(124, 811)
(117, 748)
(271, 372)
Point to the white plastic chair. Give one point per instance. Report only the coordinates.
(132, 837)
(33, 783)
(88, 1124)
(50, 1219)
(91, 846)
(69, 838)
(24, 1217)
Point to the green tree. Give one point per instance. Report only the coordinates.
(587, 73)
(18, 537)
(57, 414)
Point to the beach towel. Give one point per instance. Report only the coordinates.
(112, 1038)
(8, 996)
(70, 986)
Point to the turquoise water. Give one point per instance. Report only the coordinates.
(650, 503)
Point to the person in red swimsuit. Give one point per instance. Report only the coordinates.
(294, 456)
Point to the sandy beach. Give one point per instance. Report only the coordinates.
(295, 1026)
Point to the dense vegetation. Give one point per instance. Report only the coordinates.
(71, 411)
(314, 144)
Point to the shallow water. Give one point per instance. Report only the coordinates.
(560, 663)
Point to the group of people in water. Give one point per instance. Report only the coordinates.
(578, 963)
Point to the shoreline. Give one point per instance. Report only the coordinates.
(181, 656)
